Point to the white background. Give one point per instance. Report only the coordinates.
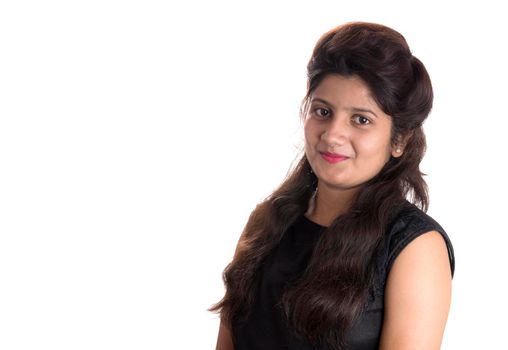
(137, 136)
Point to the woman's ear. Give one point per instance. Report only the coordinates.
(399, 146)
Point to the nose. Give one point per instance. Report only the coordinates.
(337, 131)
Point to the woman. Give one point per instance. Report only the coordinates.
(342, 254)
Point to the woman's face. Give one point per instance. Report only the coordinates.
(347, 135)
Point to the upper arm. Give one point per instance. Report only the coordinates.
(224, 340)
(417, 295)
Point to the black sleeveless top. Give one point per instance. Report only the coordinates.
(265, 328)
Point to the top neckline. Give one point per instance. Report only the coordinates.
(313, 223)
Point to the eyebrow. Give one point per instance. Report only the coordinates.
(353, 109)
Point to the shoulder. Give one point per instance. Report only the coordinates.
(409, 224)
(417, 295)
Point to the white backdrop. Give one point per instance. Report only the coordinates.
(137, 136)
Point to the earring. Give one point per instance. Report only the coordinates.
(310, 172)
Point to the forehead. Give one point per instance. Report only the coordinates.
(346, 90)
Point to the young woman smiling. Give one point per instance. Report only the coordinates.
(342, 255)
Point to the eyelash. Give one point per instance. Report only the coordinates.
(356, 116)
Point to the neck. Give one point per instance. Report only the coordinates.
(329, 203)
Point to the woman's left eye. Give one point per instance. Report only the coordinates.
(360, 119)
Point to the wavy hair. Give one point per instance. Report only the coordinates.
(333, 290)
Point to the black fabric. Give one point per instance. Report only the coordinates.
(265, 329)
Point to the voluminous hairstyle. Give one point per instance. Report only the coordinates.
(323, 303)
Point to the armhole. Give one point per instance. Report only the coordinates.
(404, 241)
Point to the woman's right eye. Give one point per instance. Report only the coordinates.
(321, 112)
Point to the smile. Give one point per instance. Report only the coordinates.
(333, 158)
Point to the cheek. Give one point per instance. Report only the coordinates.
(375, 146)
(311, 133)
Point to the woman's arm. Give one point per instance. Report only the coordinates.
(224, 340)
(417, 296)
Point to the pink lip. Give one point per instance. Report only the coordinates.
(333, 158)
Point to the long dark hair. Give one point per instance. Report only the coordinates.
(333, 289)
